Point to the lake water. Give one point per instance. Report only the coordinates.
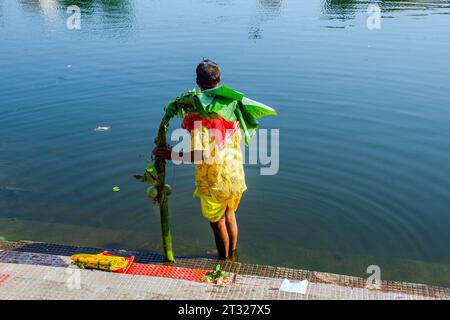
(363, 117)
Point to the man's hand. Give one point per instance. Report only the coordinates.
(162, 153)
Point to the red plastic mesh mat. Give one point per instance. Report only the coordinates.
(156, 270)
(3, 278)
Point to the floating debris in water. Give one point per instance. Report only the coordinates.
(102, 129)
(116, 189)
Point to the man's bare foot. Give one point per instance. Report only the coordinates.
(233, 256)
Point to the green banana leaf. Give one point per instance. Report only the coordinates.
(229, 104)
(226, 92)
(224, 107)
(257, 109)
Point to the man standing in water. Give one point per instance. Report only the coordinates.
(219, 177)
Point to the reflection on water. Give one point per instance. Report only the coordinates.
(48, 8)
(267, 10)
(1, 13)
(341, 9)
(87, 7)
(270, 9)
(407, 5)
(347, 9)
(117, 13)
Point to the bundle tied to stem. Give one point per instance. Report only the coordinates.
(155, 173)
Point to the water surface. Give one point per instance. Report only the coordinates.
(363, 119)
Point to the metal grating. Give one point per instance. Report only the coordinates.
(201, 264)
(171, 272)
(3, 278)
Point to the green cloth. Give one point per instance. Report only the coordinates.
(228, 103)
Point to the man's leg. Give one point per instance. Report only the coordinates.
(232, 229)
(221, 237)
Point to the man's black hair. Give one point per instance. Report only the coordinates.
(208, 74)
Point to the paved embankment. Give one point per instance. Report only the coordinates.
(30, 270)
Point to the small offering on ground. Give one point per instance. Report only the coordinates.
(102, 261)
(217, 276)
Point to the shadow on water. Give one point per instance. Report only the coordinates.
(11, 194)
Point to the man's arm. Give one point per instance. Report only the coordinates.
(168, 154)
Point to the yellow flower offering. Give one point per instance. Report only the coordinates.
(102, 261)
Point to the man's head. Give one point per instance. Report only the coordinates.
(208, 74)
